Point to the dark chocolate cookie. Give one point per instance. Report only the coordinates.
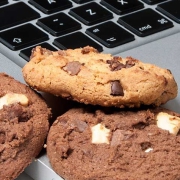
(23, 126)
(87, 144)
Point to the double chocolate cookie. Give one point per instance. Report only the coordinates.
(96, 144)
(23, 126)
(90, 77)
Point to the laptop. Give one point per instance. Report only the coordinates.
(148, 30)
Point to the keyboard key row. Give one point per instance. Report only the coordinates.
(91, 13)
(142, 23)
(28, 35)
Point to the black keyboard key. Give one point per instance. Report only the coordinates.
(153, 1)
(91, 13)
(16, 14)
(22, 37)
(26, 53)
(76, 40)
(59, 24)
(51, 6)
(81, 1)
(110, 34)
(123, 6)
(3, 2)
(145, 22)
(171, 9)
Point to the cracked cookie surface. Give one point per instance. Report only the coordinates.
(90, 77)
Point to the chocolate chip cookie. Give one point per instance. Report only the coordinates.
(23, 126)
(114, 144)
(90, 77)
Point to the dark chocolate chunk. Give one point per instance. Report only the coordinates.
(116, 88)
(73, 67)
(115, 65)
(14, 113)
(119, 136)
(129, 64)
(80, 126)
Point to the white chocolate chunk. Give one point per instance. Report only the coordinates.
(168, 122)
(148, 150)
(100, 134)
(11, 98)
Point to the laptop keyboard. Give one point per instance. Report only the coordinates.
(112, 26)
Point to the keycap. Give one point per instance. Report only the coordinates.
(145, 22)
(16, 14)
(110, 34)
(22, 37)
(59, 24)
(3, 2)
(51, 6)
(170, 9)
(76, 40)
(81, 1)
(26, 53)
(91, 13)
(122, 6)
(153, 1)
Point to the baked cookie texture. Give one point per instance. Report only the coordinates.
(23, 126)
(104, 144)
(90, 77)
